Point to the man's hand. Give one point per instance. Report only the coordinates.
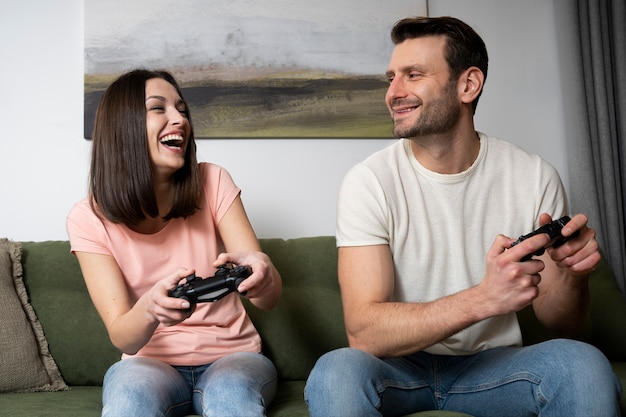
(509, 284)
(579, 255)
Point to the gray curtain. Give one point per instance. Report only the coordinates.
(598, 159)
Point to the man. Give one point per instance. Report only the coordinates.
(429, 278)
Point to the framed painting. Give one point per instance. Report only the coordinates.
(254, 69)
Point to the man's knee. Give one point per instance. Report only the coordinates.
(578, 360)
(339, 366)
(340, 377)
(574, 370)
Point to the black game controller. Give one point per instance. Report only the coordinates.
(198, 290)
(553, 230)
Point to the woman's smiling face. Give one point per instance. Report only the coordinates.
(167, 126)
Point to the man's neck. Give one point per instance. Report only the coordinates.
(448, 153)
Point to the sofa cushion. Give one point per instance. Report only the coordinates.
(77, 402)
(26, 364)
(308, 320)
(73, 327)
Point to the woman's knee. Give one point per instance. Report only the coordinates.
(243, 367)
(145, 386)
(250, 377)
(134, 371)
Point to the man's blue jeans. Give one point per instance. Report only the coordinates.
(237, 385)
(560, 377)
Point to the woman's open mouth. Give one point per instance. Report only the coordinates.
(172, 141)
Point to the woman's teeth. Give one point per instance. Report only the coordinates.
(172, 140)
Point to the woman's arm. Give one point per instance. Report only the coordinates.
(129, 326)
(264, 286)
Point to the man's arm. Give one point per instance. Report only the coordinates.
(386, 329)
(563, 301)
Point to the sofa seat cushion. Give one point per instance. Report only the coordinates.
(77, 402)
(289, 400)
(86, 401)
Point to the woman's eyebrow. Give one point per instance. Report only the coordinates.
(155, 97)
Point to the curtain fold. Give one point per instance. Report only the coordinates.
(602, 26)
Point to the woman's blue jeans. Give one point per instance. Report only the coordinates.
(555, 378)
(237, 385)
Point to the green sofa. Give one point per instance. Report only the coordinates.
(307, 322)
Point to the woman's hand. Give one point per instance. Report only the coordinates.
(131, 324)
(162, 308)
(263, 287)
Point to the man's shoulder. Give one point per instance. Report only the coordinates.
(496, 144)
(381, 163)
(389, 155)
(512, 160)
(504, 150)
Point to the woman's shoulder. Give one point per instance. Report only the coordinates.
(210, 166)
(213, 173)
(81, 209)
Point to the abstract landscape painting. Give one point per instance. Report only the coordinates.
(254, 68)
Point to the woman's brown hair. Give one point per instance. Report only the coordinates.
(120, 180)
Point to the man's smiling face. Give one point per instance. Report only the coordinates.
(421, 98)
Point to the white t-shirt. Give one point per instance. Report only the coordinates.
(440, 227)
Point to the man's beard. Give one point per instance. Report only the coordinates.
(439, 116)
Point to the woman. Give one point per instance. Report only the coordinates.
(154, 216)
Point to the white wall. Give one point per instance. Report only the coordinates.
(289, 186)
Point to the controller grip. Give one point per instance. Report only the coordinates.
(553, 230)
(237, 282)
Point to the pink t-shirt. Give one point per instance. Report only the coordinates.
(214, 329)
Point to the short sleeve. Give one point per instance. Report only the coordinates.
(86, 230)
(219, 188)
(362, 210)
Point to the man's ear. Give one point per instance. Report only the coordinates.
(471, 84)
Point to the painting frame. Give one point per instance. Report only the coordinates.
(240, 75)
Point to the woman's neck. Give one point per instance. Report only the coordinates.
(150, 225)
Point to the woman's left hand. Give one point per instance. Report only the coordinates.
(264, 286)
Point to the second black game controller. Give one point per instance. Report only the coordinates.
(201, 290)
(552, 229)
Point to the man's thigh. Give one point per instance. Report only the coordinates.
(350, 382)
(558, 377)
